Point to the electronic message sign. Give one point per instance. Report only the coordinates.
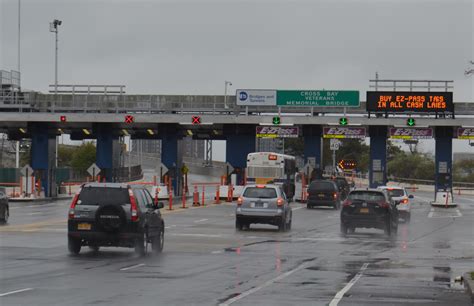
(277, 132)
(465, 133)
(344, 132)
(411, 133)
(410, 101)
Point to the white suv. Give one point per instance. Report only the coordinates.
(400, 196)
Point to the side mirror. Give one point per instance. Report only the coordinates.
(158, 205)
(410, 196)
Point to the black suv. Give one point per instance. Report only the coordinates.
(114, 214)
(369, 208)
(323, 193)
(343, 186)
(4, 208)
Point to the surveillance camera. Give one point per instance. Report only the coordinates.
(230, 83)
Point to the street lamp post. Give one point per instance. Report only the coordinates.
(53, 27)
(225, 92)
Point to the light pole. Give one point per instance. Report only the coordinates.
(225, 92)
(17, 146)
(53, 27)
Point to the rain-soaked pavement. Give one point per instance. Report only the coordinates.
(206, 262)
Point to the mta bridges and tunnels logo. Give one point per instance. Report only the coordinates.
(243, 96)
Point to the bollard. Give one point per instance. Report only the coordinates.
(218, 196)
(184, 200)
(203, 194)
(459, 191)
(195, 196)
(171, 201)
(33, 186)
(21, 184)
(69, 189)
(156, 196)
(229, 196)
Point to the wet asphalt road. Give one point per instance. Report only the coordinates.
(206, 262)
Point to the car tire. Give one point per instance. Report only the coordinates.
(282, 225)
(336, 206)
(73, 245)
(388, 229)
(288, 226)
(158, 242)
(238, 224)
(308, 206)
(141, 244)
(351, 230)
(343, 229)
(6, 214)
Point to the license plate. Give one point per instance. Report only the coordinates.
(321, 195)
(364, 210)
(84, 226)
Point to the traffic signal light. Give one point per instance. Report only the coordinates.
(411, 122)
(63, 118)
(343, 121)
(347, 164)
(276, 120)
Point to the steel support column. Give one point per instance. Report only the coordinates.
(105, 151)
(43, 153)
(237, 149)
(169, 157)
(378, 156)
(313, 145)
(444, 158)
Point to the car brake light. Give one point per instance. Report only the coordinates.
(404, 201)
(347, 203)
(260, 186)
(133, 206)
(272, 157)
(280, 202)
(334, 195)
(240, 200)
(73, 204)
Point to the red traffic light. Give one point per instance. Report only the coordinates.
(129, 119)
(63, 118)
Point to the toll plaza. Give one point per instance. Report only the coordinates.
(310, 114)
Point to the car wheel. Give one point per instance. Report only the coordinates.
(6, 214)
(282, 225)
(288, 226)
(351, 230)
(308, 206)
(238, 224)
(343, 229)
(74, 245)
(158, 242)
(335, 206)
(141, 245)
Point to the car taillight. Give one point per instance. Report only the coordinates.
(347, 203)
(280, 202)
(404, 201)
(73, 204)
(133, 204)
(334, 195)
(240, 200)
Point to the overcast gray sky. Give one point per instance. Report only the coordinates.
(191, 47)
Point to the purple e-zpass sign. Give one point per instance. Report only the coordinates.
(466, 133)
(344, 132)
(277, 132)
(411, 133)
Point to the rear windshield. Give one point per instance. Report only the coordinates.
(395, 192)
(341, 181)
(103, 196)
(322, 186)
(263, 193)
(372, 196)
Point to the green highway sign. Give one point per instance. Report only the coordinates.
(411, 122)
(319, 98)
(276, 120)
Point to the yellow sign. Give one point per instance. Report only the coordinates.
(184, 169)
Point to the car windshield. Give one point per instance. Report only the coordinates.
(395, 192)
(262, 193)
(366, 196)
(322, 185)
(101, 196)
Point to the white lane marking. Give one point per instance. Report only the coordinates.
(201, 220)
(171, 226)
(465, 199)
(16, 291)
(424, 199)
(296, 208)
(265, 284)
(349, 285)
(430, 215)
(216, 252)
(35, 213)
(459, 213)
(132, 267)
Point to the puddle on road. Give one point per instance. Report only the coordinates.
(441, 245)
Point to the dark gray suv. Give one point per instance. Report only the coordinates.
(265, 204)
(114, 214)
(4, 208)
